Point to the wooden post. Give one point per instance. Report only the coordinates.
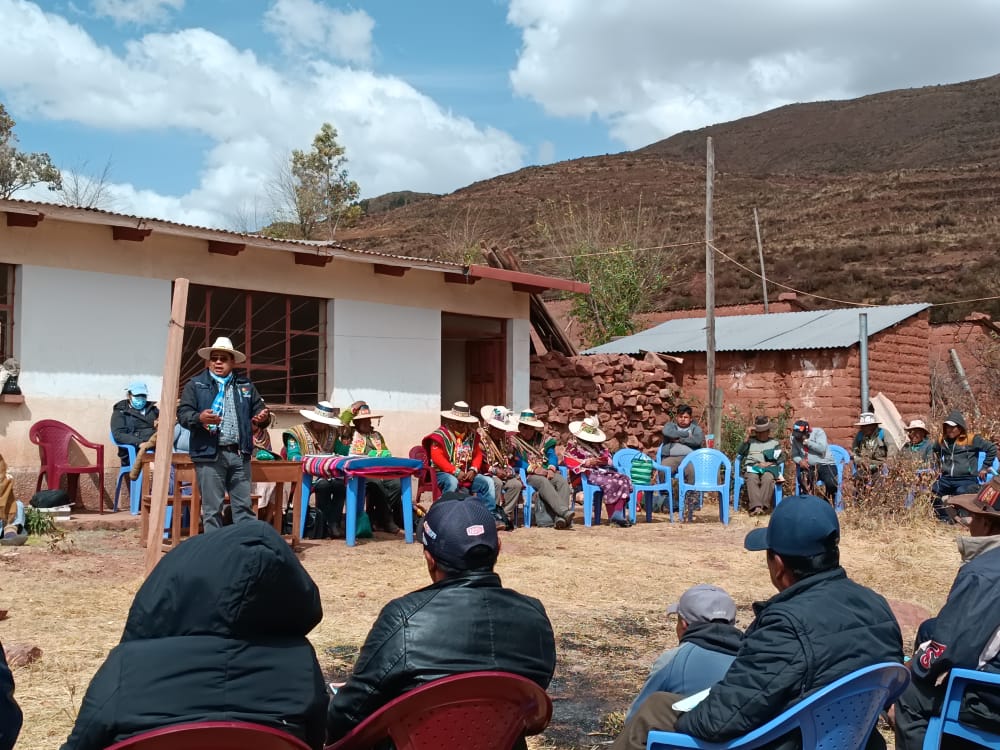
(760, 252)
(960, 371)
(710, 285)
(165, 427)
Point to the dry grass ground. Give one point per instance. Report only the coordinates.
(605, 590)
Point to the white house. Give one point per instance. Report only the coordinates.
(85, 302)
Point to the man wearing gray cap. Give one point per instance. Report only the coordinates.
(821, 626)
(709, 640)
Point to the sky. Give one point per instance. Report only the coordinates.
(196, 103)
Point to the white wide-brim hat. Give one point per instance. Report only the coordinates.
(529, 418)
(460, 412)
(323, 412)
(588, 429)
(222, 344)
(866, 419)
(499, 417)
(917, 424)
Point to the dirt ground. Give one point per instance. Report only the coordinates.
(605, 590)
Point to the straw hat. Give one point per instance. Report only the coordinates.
(867, 419)
(223, 344)
(588, 429)
(460, 412)
(529, 418)
(918, 424)
(499, 417)
(323, 412)
(363, 411)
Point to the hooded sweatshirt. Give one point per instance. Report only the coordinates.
(217, 632)
(960, 457)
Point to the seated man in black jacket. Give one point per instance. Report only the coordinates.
(465, 621)
(217, 632)
(10, 712)
(966, 632)
(820, 627)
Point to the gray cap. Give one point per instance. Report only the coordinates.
(704, 603)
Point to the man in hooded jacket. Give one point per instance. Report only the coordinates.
(957, 453)
(217, 632)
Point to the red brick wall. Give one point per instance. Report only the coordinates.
(899, 367)
(970, 338)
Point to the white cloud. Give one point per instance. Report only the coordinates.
(137, 12)
(193, 80)
(650, 68)
(310, 26)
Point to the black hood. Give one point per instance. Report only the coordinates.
(956, 416)
(242, 581)
(715, 636)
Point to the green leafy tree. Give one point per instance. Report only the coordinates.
(315, 194)
(621, 286)
(19, 169)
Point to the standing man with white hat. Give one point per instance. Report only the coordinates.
(220, 407)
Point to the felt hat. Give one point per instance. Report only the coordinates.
(917, 424)
(363, 411)
(460, 412)
(588, 429)
(528, 417)
(223, 344)
(499, 417)
(985, 503)
(324, 412)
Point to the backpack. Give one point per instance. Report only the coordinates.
(50, 499)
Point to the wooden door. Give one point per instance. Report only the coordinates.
(485, 373)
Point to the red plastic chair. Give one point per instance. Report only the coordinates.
(427, 479)
(473, 711)
(52, 438)
(212, 735)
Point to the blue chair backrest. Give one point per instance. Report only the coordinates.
(960, 680)
(707, 462)
(623, 458)
(840, 716)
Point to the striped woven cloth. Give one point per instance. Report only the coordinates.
(344, 467)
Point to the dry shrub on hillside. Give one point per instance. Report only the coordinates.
(901, 496)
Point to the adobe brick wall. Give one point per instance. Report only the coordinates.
(630, 397)
(970, 338)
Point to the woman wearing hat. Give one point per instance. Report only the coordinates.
(760, 456)
(586, 456)
(318, 436)
(918, 446)
(384, 495)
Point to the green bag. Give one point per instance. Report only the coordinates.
(642, 470)
(364, 527)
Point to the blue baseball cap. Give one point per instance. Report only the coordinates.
(138, 388)
(454, 528)
(800, 527)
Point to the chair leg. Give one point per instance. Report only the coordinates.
(588, 508)
(529, 500)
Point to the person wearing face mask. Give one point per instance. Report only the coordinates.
(133, 419)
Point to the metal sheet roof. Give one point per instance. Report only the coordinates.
(813, 329)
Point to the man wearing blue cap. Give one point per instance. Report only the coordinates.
(133, 419)
(465, 621)
(820, 627)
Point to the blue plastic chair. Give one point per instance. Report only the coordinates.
(528, 494)
(134, 486)
(707, 463)
(622, 461)
(840, 716)
(959, 680)
(591, 509)
(843, 457)
(739, 481)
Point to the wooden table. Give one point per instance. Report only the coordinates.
(278, 472)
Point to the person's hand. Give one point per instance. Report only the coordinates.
(262, 416)
(804, 463)
(550, 473)
(209, 417)
(983, 474)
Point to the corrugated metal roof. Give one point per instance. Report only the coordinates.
(814, 329)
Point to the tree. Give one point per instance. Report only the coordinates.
(88, 190)
(313, 192)
(18, 169)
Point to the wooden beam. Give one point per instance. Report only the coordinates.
(130, 234)
(29, 220)
(386, 270)
(165, 428)
(459, 278)
(225, 248)
(312, 259)
(529, 288)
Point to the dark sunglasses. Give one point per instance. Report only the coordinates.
(219, 357)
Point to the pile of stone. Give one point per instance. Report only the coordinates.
(632, 398)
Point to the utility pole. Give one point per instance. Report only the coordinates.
(760, 252)
(714, 418)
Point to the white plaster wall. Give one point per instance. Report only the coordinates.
(518, 363)
(84, 335)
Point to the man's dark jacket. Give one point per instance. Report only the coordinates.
(811, 634)
(464, 624)
(960, 457)
(198, 395)
(131, 426)
(10, 712)
(217, 632)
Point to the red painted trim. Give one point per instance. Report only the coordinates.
(225, 248)
(528, 279)
(459, 278)
(387, 270)
(529, 288)
(312, 259)
(17, 219)
(130, 234)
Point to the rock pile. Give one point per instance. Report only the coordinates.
(632, 398)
